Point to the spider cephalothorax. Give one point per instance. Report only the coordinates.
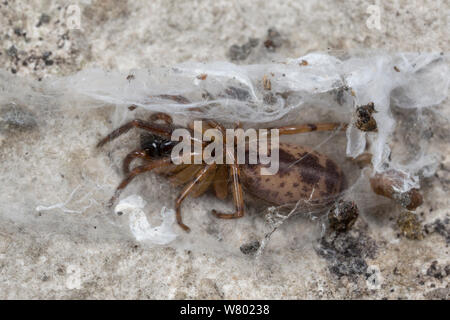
(156, 146)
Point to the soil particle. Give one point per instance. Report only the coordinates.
(346, 253)
(44, 19)
(440, 227)
(438, 272)
(365, 121)
(250, 248)
(237, 52)
(16, 117)
(274, 40)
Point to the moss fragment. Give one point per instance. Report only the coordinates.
(410, 226)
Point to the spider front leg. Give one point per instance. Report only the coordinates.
(136, 171)
(188, 189)
(158, 129)
(163, 117)
(237, 196)
(131, 156)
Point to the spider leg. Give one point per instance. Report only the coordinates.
(131, 156)
(237, 196)
(186, 174)
(179, 99)
(162, 116)
(154, 128)
(205, 126)
(220, 183)
(310, 127)
(216, 125)
(136, 171)
(188, 189)
(203, 186)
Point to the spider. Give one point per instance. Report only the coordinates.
(304, 174)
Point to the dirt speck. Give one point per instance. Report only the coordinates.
(342, 216)
(16, 117)
(437, 271)
(346, 253)
(440, 227)
(241, 52)
(364, 119)
(250, 248)
(44, 19)
(273, 40)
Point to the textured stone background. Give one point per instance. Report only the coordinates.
(374, 261)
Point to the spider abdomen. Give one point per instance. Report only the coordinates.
(303, 174)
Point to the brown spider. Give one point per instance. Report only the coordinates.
(303, 174)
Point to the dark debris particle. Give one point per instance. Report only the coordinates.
(441, 228)
(341, 94)
(12, 51)
(274, 40)
(207, 96)
(410, 199)
(237, 52)
(44, 19)
(269, 98)
(410, 226)
(250, 248)
(364, 119)
(346, 253)
(237, 93)
(18, 32)
(303, 63)
(342, 216)
(46, 55)
(437, 271)
(16, 117)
